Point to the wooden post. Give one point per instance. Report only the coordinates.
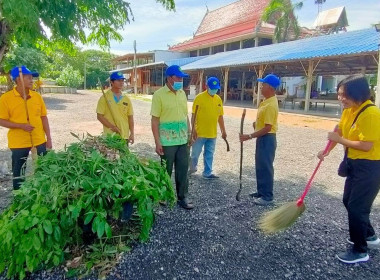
(310, 71)
(201, 73)
(261, 72)
(242, 87)
(225, 84)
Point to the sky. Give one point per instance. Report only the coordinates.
(154, 28)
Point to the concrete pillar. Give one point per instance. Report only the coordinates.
(319, 84)
(256, 42)
(261, 73)
(225, 84)
(308, 85)
(225, 47)
(241, 44)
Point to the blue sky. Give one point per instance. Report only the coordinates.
(154, 27)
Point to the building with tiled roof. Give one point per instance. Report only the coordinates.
(235, 26)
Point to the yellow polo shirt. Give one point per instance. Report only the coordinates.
(171, 108)
(12, 108)
(210, 108)
(267, 114)
(121, 110)
(366, 128)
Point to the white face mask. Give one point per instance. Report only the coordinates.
(212, 91)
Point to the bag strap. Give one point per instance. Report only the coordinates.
(361, 111)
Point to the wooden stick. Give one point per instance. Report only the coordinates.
(241, 155)
(33, 149)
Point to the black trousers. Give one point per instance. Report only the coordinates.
(179, 157)
(19, 157)
(264, 158)
(360, 190)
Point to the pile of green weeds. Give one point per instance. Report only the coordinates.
(83, 186)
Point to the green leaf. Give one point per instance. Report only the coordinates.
(100, 228)
(36, 243)
(57, 233)
(48, 227)
(108, 230)
(88, 218)
(56, 260)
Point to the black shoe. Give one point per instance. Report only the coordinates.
(352, 257)
(372, 241)
(255, 195)
(185, 203)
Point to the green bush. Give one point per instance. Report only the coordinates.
(70, 77)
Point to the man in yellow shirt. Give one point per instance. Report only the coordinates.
(210, 112)
(171, 130)
(117, 115)
(265, 132)
(27, 121)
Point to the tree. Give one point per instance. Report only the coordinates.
(31, 57)
(49, 24)
(70, 77)
(281, 13)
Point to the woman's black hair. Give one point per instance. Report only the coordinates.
(356, 88)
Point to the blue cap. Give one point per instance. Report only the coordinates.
(175, 70)
(117, 76)
(213, 83)
(271, 80)
(25, 71)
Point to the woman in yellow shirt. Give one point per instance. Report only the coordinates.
(361, 138)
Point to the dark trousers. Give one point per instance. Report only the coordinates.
(19, 157)
(264, 157)
(360, 190)
(179, 157)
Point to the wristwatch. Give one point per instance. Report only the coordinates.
(250, 136)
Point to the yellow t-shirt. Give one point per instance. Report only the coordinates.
(267, 114)
(12, 108)
(121, 111)
(366, 128)
(210, 108)
(171, 108)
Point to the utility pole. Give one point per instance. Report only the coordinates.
(134, 66)
(84, 71)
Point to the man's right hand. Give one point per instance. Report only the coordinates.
(27, 127)
(115, 129)
(159, 149)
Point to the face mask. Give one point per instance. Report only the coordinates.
(177, 85)
(212, 91)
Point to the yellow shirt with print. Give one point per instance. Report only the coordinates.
(366, 128)
(267, 114)
(171, 108)
(210, 108)
(121, 110)
(12, 108)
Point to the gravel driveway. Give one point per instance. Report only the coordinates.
(219, 239)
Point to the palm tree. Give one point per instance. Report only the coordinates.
(281, 13)
(319, 3)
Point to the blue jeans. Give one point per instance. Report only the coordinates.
(208, 154)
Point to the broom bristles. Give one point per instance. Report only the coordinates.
(281, 218)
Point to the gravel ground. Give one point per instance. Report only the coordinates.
(219, 238)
